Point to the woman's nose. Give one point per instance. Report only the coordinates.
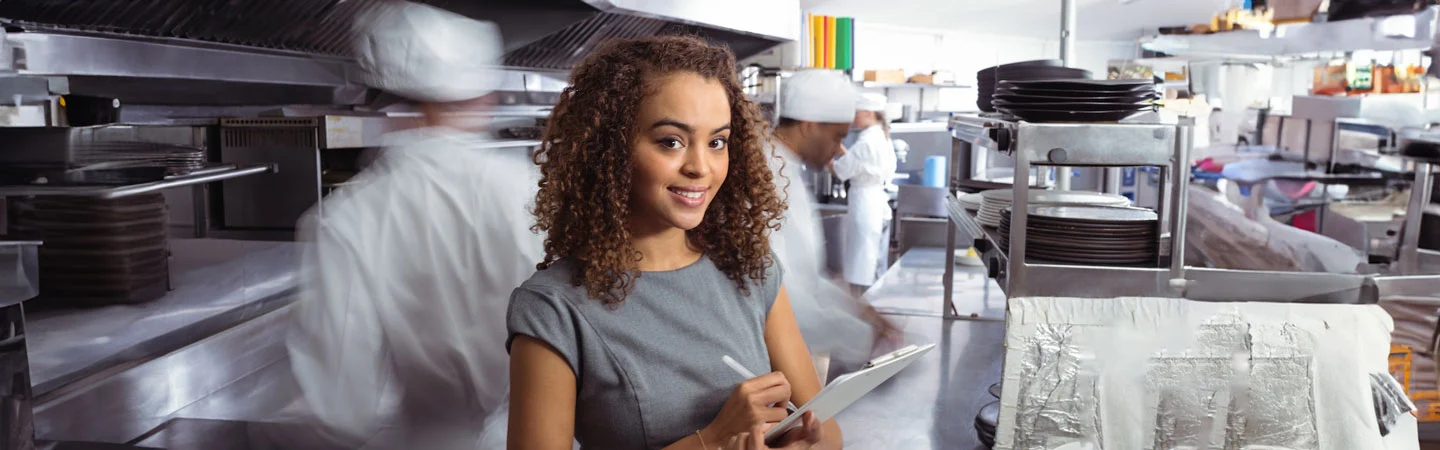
(697, 163)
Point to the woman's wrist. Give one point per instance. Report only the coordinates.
(708, 439)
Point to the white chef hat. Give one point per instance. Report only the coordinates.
(818, 95)
(425, 53)
(871, 101)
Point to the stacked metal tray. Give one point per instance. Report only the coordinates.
(97, 251)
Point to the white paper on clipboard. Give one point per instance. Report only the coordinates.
(848, 388)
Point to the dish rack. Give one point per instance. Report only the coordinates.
(1164, 146)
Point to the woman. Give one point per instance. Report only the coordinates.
(868, 165)
(656, 200)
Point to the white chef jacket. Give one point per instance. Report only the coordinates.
(829, 317)
(407, 277)
(869, 165)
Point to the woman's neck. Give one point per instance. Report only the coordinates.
(662, 249)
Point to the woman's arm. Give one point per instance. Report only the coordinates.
(542, 397)
(789, 355)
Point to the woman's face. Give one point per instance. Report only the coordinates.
(680, 151)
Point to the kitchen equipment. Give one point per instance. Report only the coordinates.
(987, 79)
(97, 251)
(1088, 235)
(1045, 100)
(993, 202)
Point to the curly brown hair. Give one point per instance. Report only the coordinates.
(586, 168)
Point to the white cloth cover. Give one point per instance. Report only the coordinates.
(407, 276)
(868, 165)
(829, 317)
(818, 95)
(425, 53)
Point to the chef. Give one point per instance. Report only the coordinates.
(409, 268)
(869, 166)
(816, 109)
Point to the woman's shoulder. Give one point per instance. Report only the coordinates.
(556, 281)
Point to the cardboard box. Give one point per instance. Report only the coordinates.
(923, 79)
(885, 76)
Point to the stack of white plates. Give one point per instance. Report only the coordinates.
(994, 201)
(971, 201)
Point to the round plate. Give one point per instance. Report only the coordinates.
(1075, 106)
(1031, 115)
(1032, 63)
(1088, 85)
(1095, 213)
(1122, 97)
(1007, 196)
(1071, 93)
(1041, 73)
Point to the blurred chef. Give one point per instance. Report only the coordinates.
(816, 109)
(869, 165)
(409, 268)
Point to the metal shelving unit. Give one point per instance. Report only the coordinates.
(206, 175)
(1128, 144)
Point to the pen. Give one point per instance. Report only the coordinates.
(735, 365)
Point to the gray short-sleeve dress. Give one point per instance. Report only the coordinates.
(649, 371)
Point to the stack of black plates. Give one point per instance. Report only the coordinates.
(985, 80)
(1073, 100)
(1087, 235)
(986, 422)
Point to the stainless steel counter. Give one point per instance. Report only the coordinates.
(216, 284)
(180, 401)
(914, 285)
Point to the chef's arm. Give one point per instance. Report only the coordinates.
(335, 345)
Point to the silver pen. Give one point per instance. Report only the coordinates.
(735, 365)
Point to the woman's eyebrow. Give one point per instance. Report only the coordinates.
(674, 123)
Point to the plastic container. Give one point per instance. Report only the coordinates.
(935, 172)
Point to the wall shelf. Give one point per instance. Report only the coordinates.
(1400, 32)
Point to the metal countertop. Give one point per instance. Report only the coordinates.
(217, 284)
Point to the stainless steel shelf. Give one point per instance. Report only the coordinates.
(510, 143)
(1399, 32)
(207, 175)
(872, 84)
(1201, 284)
(1070, 143)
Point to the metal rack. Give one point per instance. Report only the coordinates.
(206, 175)
(1127, 144)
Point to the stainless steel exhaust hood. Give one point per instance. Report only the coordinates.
(219, 52)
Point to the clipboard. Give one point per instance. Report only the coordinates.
(848, 388)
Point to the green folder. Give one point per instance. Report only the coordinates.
(844, 43)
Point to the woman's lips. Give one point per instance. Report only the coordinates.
(691, 196)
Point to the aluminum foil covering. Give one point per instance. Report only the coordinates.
(1059, 399)
(1227, 386)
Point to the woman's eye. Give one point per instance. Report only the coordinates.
(671, 143)
(718, 143)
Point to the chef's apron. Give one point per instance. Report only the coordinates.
(867, 234)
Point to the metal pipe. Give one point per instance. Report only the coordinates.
(1180, 179)
(1067, 58)
(1419, 197)
(1067, 31)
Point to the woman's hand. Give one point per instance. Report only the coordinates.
(800, 438)
(750, 407)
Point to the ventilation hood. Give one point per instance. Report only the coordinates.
(296, 51)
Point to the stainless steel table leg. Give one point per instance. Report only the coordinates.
(16, 416)
(199, 198)
(949, 278)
